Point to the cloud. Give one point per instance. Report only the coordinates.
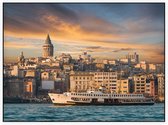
(93, 47)
(17, 45)
(122, 49)
(96, 24)
(98, 28)
(62, 12)
(58, 19)
(27, 18)
(66, 24)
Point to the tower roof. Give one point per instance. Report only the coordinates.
(48, 41)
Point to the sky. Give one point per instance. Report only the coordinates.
(105, 31)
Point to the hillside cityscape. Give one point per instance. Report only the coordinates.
(30, 79)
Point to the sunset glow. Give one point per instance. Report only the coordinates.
(104, 30)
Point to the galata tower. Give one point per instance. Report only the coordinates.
(48, 48)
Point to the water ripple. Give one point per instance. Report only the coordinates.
(49, 112)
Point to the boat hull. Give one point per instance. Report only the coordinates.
(104, 104)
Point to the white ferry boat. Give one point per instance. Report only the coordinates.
(99, 98)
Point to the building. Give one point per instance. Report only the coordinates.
(124, 61)
(81, 81)
(48, 48)
(13, 87)
(142, 65)
(100, 66)
(29, 87)
(54, 81)
(139, 83)
(48, 75)
(64, 58)
(17, 72)
(47, 85)
(134, 58)
(106, 79)
(85, 58)
(150, 87)
(68, 67)
(112, 62)
(161, 86)
(123, 86)
(152, 67)
(30, 73)
(160, 68)
(45, 75)
(21, 59)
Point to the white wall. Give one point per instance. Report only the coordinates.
(45, 84)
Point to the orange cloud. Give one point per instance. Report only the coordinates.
(74, 33)
(62, 30)
(17, 45)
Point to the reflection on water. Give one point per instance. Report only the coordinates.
(59, 106)
(50, 112)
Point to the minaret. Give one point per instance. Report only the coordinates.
(21, 57)
(48, 48)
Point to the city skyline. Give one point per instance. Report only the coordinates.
(103, 30)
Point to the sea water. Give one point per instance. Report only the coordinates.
(50, 113)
